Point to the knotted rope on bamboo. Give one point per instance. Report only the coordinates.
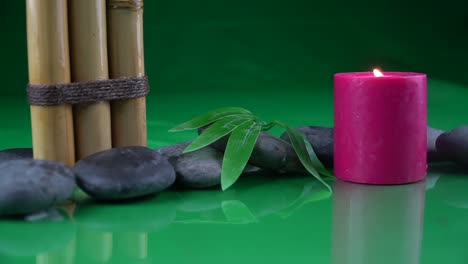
(125, 4)
(88, 92)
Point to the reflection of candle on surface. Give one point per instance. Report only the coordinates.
(380, 127)
(377, 224)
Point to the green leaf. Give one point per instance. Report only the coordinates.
(237, 212)
(238, 151)
(217, 130)
(315, 160)
(298, 142)
(210, 117)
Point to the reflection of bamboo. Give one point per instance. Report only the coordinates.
(88, 44)
(63, 256)
(377, 224)
(131, 244)
(126, 59)
(94, 245)
(48, 56)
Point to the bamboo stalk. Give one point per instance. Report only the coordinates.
(48, 57)
(88, 50)
(126, 59)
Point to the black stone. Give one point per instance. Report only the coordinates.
(269, 153)
(278, 155)
(453, 145)
(16, 153)
(321, 139)
(197, 169)
(124, 173)
(200, 168)
(28, 186)
(432, 154)
(173, 151)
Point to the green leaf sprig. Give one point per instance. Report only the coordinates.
(244, 129)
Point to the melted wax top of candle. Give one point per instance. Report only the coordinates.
(386, 75)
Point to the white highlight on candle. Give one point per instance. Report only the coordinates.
(378, 73)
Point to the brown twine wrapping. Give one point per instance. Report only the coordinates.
(88, 92)
(125, 4)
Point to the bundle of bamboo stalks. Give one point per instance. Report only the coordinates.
(84, 41)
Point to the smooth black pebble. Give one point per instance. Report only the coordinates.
(16, 153)
(269, 153)
(432, 154)
(453, 145)
(173, 151)
(197, 169)
(321, 139)
(200, 168)
(28, 186)
(124, 173)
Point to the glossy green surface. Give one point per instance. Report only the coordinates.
(264, 219)
(275, 58)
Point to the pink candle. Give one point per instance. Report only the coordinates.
(380, 127)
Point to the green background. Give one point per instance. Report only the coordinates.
(276, 58)
(269, 56)
(276, 44)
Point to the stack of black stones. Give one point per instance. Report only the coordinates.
(28, 186)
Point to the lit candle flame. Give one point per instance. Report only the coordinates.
(378, 73)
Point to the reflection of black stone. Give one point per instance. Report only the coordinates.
(20, 238)
(123, 173)
(261, 195)
(16, 153)
(454, 145)
(267, 195)
(118, 232)
(27, 186)
(451, 186)
(144, 215)
(201, 201)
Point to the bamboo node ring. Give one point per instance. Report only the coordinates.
(125, 4)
